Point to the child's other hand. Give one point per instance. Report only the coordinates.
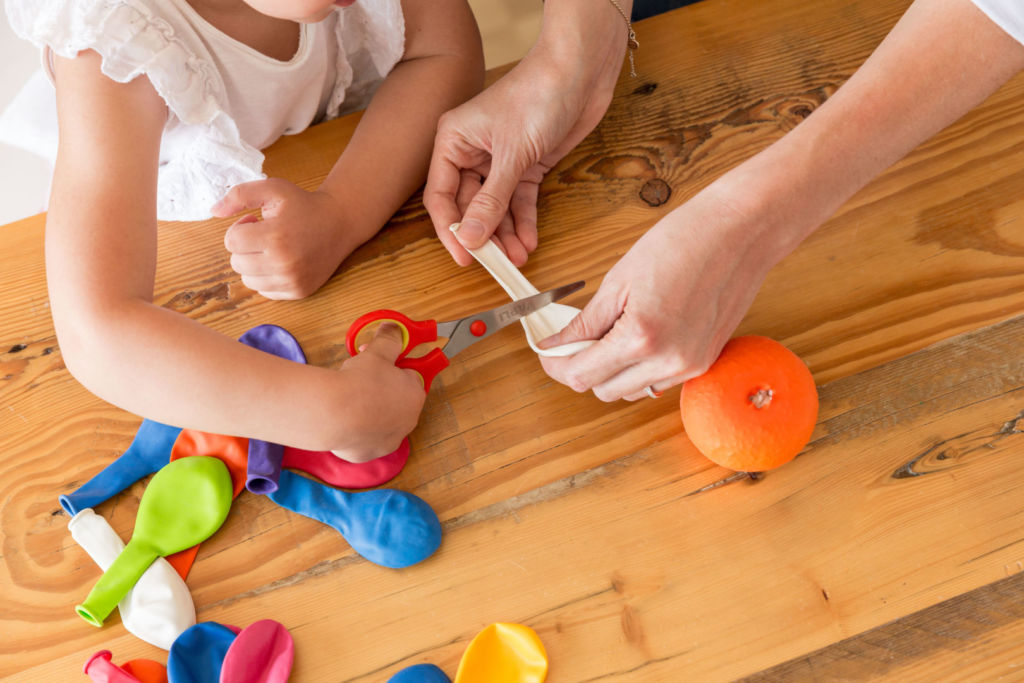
(297, 245)
(387, 400)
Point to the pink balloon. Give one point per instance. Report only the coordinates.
(262, 653)
(344, 474)
(102, 670)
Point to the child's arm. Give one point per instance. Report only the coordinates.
(100, 263)
(304, 236)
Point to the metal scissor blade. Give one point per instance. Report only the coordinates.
(462, 333)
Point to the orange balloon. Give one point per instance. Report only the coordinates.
(754, 409)
(233, 451)
(183, 560)
(146, 670)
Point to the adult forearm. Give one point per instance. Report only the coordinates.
(586, 40)
(942, 59)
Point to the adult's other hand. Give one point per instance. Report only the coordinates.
(491, 152)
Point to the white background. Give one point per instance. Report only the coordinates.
(24, 177)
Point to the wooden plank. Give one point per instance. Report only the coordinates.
(977, 636)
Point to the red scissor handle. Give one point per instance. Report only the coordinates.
(414, 333)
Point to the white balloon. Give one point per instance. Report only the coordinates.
(159, 608)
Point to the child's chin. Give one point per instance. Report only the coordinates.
(344, 3)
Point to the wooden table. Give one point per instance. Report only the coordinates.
(894, 546)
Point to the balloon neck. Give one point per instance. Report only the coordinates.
(115, 583)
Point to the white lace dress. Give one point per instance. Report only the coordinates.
(225, 100)
(1009, 14)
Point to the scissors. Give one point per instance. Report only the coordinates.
(459, 333)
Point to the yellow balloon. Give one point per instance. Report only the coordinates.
(504, 653)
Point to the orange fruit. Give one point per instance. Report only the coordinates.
(755, 407)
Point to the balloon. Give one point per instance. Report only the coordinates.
(148, 452)
(504, 653)
(335, 471)
(388, 527)
(198, 654)
(101, 670)
(232, 451)
(184, 503)
(146, 670)
(159, 607)
(265, 458)
(262, 653)
(420, 673)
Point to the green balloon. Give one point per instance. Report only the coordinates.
(184, 503)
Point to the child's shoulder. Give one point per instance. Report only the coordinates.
(67, 25)
(155, 38)
(133, 37)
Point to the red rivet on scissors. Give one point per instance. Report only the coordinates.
(478, 328)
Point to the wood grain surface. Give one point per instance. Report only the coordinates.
(892, 547)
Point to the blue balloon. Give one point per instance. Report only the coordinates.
(197, 655)
(420, 673)
(388, 527)
(149, 451)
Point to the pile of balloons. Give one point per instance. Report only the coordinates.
(263, 653)
(208, 652)
(196, 478)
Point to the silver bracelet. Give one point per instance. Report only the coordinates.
(631, 42)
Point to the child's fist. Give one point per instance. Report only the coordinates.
(295, 247)
(388, 399)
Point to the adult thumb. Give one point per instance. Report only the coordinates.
(593, 322)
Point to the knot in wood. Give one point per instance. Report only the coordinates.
(655, 192)
(645, 89)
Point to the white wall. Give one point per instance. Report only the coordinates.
(24, 177)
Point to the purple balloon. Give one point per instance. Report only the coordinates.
(264, 466)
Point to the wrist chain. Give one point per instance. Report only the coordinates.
(631, 42)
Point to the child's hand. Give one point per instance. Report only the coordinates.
(297, 245)
(387, 400)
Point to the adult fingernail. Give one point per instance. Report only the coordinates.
(471, 232)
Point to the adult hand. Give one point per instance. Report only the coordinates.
(666, 309)
(491, 153)
(385, 400)
(295, 247)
